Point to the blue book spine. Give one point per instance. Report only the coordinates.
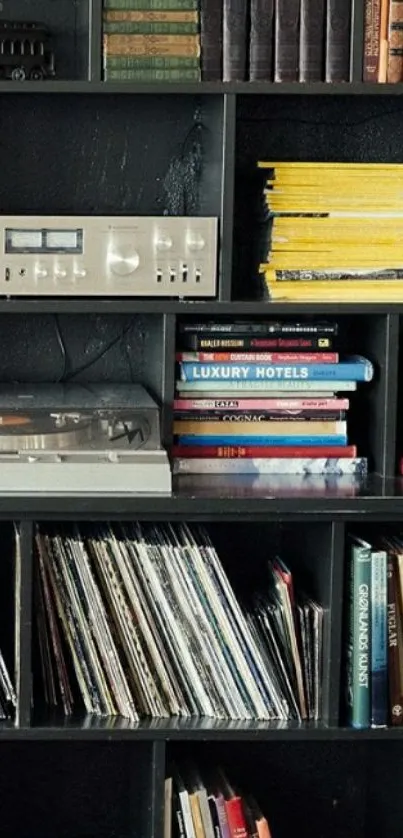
(359, 636)
(354, 370)
(276, 441)
(379, 665)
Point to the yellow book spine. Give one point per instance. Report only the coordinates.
(196, 815)
(160, 45)
(264, 164)
(146, 16)
(343, 292)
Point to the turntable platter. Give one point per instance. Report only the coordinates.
(51, 432)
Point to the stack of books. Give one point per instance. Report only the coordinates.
(151, 40)
(383, 41)
(142, 621)
(264, 398)
(227, 40)
(335, 231)
(196, 808)
(374, 632)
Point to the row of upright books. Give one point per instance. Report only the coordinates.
(383, 41)
(143, 621)
(265, 397)
(230, 40)
(203, 804)
(334, 231)
(374, 632)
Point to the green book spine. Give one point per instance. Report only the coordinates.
(359, 639)
(143, 74)
(150, 28)
(150, 62)
(151, 5)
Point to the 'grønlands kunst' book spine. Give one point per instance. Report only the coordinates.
(359, 635)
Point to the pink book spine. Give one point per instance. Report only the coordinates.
(259, 357)
(222, 816)
(261, 404)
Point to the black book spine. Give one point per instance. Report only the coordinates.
(211, 33)
(200, 343)
(270, 327)
(261, 40)
(235, 39)
(338, 30)
(286, 45)
(312, 41)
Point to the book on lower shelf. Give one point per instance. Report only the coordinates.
(202, 804)
(374, 632)
(234, 421)
(138, 621)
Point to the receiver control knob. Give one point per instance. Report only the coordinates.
(195, 241)
(41, 273)
(60, 273)
(163, 242)
(80, 272)
(123, 262)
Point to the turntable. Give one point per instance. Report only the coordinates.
(75, 438)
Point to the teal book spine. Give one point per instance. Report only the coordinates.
(354, 370)
(379, 640)
(359, 639)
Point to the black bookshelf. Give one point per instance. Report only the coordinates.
(62, 148)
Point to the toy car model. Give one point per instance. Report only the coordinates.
(26, 51)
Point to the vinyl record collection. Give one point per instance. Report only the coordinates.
(335, 231)
(8, 697)
(374, 632)
(264, 398)
(229, 40)
(197, 808)
(143, 621)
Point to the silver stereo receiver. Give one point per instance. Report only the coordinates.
(71, 256)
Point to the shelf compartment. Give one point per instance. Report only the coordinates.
(76, 789)
(367, 336)
(110, 160)
(339, 130)
(311, 552)
(316, 786)
(68, 22)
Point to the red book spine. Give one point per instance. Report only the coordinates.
(236, 818)
(264, 452)
(260, 357)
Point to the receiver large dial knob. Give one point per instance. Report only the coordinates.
(123, 261)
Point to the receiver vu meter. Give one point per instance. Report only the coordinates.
(108, 256)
